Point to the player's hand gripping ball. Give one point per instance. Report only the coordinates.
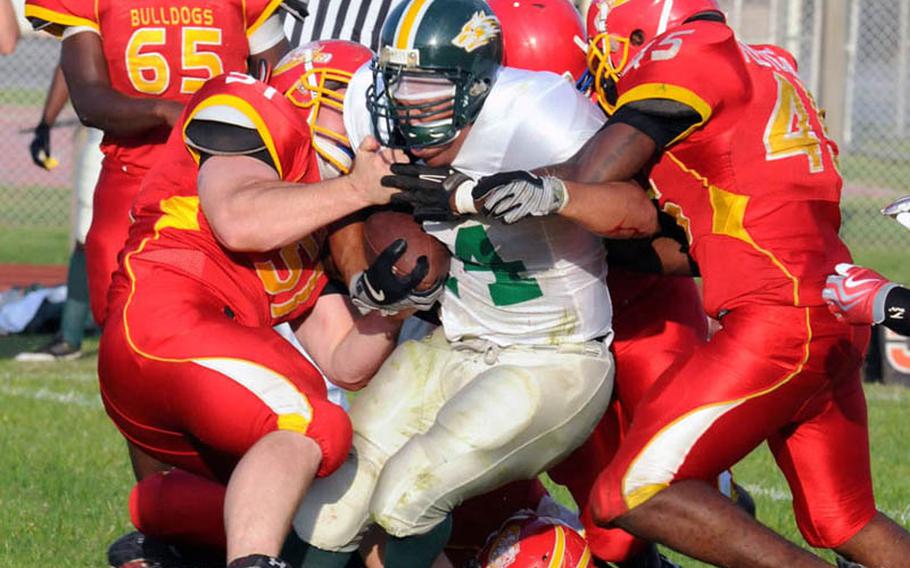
(384, 227)
(408, 267)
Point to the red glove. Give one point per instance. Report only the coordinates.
(856, 294)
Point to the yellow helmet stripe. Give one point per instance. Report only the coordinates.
(410, 22)
(585, 560)
(559, 548)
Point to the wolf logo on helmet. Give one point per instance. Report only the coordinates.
(436, 66)
(478, 31)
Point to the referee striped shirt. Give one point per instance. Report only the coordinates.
(355, 20)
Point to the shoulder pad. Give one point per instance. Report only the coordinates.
(55, 16)
(223, 131)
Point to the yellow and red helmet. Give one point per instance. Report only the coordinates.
(314, 76)
(542, 35)
(619, 29)
(528, 540)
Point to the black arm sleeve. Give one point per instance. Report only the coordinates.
(897, 311)
(639, 254)
(662, 120)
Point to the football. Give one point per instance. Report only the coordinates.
(382, 229)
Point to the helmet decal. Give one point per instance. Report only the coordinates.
(477, 32)
(664, 16)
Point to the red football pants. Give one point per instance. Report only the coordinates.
(111, 204)
(783, 374)
(195, 388)
(656, 322)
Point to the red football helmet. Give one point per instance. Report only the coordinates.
(314, 75)
(527, 540)
(542, 35)
(619, 29)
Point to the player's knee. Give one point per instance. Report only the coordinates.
(331, 429)
(399, 524)
(335, 512)
(492, 411)
(616, 493)
(832, 532)
(412, 495)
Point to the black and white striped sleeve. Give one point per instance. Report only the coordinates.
(354, 20)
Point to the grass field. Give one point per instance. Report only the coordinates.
(64, 476)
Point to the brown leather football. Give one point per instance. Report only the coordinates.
(382, 229)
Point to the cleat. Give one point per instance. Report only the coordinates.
(743, 499)
(844, 563)
(56, 350)
(135, 550)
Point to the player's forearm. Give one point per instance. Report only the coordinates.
(259, 216)
(116, 114)
(348, 251)
(362, 351)
(615, 153)
(9, 28)
(619, 210)
(57, 95)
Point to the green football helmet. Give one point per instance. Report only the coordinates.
(437, 63)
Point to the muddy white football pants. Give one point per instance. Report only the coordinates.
(442, 422)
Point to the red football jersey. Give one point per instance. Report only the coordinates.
(755, 181)
(169, 227)
(159, 48)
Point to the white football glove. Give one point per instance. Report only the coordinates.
(512, 196)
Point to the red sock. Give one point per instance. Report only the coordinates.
(180, 507)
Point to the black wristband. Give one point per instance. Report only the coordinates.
(897, 310)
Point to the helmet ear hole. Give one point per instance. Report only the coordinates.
(637, 38)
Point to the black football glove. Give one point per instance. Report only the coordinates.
(40, 148)
(427, 190)
(512, 196)
(379, 288)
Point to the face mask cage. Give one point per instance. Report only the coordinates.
(413, 109)
(608, 55)
(320, 87)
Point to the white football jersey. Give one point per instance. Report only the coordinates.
(541, 280)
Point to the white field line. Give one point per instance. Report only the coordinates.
(78, 377)
(70, 398)
(890, 395)
(776, 494)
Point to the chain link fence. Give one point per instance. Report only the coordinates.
(35, 205)
(866, 74)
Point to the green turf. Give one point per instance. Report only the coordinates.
(64, 476)
(38, 246)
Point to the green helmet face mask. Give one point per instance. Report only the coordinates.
(437, 63)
